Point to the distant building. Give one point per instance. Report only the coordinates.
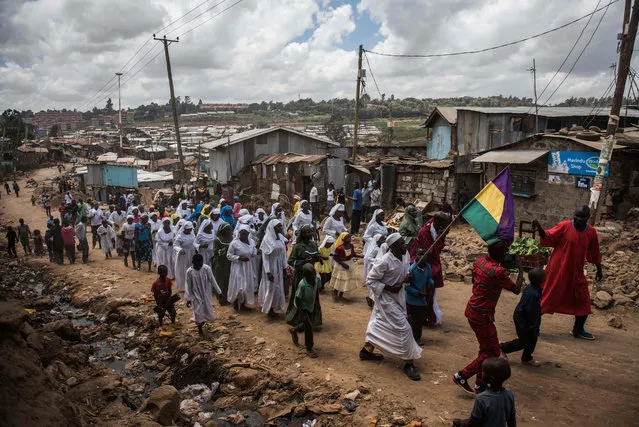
(223, 107)
(67, 120)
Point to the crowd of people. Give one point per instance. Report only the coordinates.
(264, 261)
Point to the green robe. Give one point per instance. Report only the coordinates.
(221, 268)
(302, 250)
(409, 229)
(308, 296)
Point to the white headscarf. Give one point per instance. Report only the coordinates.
(240, 228)
(181, 226)
(282, 217)
(204, 224)
(243, 212)
(271, 240)
(369, 249)
(327, 239)
(373, 227)
(337, 207)
(392, 238)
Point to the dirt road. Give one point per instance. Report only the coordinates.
(581, 384)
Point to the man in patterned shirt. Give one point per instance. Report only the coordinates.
(489, 278)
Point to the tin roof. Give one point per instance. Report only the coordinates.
(27, 149)
(253, 133)
(510, 156)
(291, 158)
(448, 113)
(548, 111)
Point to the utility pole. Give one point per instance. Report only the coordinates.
(534, 71)
(166, 43)
(627, 36)
(120, 109)
(357, 101)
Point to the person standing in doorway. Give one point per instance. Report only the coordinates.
(376, 197)
(330, 197)
(358, 204)
(313, 198)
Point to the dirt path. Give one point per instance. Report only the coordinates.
(583, 383)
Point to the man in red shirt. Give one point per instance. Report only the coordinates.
(566, 288)
(489, 278)
(164, 301)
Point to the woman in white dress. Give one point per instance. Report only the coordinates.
(271, 295)
(334, 224)
(371, 249)
(165, 255)
(304, 217)
(184, 247)
(204, 241)
(241, 253)
(107, 238)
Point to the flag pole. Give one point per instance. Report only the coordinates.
(439, 237)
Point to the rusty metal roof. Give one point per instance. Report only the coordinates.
(27, 149)
(291, 158)
(510, 156)
(430, 163)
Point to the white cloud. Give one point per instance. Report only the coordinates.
(58, 53)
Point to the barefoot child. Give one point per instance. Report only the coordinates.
(38, 243)
(162, 293)
(416, 291)
(495, 406)
(344, 278)
(527, 318)
(198, 292)
(304, 305)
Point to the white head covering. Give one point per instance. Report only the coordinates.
(203, 226)
(327, 239)
(392, 238)
(271, 240)
(244, 211)
(242, 227)
(373, 221)
(275, 206)
(370, 248)
(337, 207)
(215, 211)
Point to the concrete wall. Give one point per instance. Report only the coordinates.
(440, 144)
(425, 184)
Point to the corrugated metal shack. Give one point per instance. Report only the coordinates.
(549, 194)
(100, 180)
(28, 156)
(230, 155)
(288, 174)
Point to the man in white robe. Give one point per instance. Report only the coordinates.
(388, 329)
(107, 238)
(198, 292)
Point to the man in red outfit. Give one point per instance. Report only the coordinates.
(566, 288)
(489, 278)
(434, 228)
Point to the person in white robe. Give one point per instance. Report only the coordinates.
(107, 238)
(370, 255)
(245, 219)
(117, 218)
(271, 294)
(388, 329)
(241, 253)
(165, 253)
(204, 241)
(216, 221)
(183, 211)
(376, 227)
(184, 247)
(198, 291)
(275, 208)
(334, 224)
(156, 224)
(304, 216)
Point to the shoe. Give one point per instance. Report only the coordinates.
(534, 363)
(411, 372)
(479, 388)
(367, 355)
(311, 354)
(461, 381)
(583, 335)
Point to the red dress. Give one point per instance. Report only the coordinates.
(566, 288)
(425, 240)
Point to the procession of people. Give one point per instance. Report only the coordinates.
(282, 266)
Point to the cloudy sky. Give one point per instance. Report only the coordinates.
(61, 53)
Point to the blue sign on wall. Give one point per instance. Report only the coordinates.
(583, 183)
(574, 162)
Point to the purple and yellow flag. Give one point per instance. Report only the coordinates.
(491, 213)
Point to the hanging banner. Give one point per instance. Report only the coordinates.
(574, 163)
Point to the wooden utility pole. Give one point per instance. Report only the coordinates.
(357, 101)
(119, 110)
(166, 43)
(534, 71)
(628, 35)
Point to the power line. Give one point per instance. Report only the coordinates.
(197, 16)
(567, 56)
(214, 16)
(603, 15)
(372, 75)
(469, 52)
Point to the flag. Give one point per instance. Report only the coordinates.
(491, 213)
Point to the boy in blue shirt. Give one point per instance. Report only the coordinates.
(416, 302)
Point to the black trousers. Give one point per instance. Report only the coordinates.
(580, 322)
(355, 220)
(526, 341)
(163, 309)
(305, 325)
(12, 250)
(416, 314)
(70, 251)
(96, 238)
(84, 246)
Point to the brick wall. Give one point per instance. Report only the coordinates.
(425, 184)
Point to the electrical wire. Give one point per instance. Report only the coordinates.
(603, 15)
(567, 56)
(373, 75)
(470, 52)
(214, 16)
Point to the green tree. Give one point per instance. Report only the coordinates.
(109, 106)
(335, 129)
(55, 131)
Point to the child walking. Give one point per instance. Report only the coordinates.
(489, 278)
(416, 291)
(527, 318)
(304, 305)
(344, 277)
(198, 290)
(12, 237)
(38, 243)
(496, 405)
(164, 301)
(325, 266)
